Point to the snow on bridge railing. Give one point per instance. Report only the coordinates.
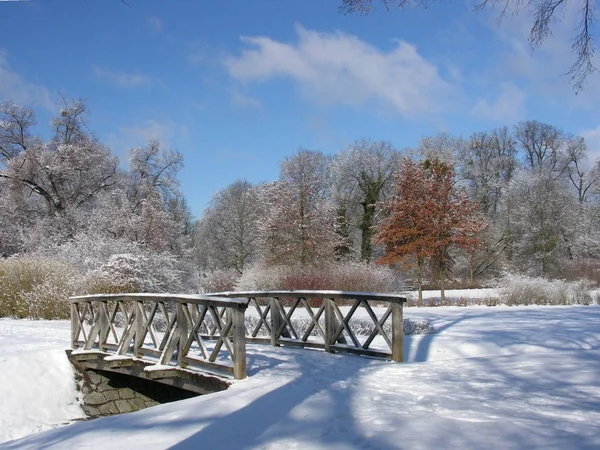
(180, 331)
(209, 332)
(332, 320)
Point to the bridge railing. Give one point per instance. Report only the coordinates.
(209, 332)
(332, 320)
(182, 331)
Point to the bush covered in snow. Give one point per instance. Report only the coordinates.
(522, 290)
(36, 287)
(221, 280)
(342, 276)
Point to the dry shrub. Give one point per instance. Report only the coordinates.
(522, 290)
(37, 288)
(346, 276)
(587, 269)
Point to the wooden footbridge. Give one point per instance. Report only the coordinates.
(191, 341)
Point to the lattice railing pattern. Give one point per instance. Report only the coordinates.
(199, 332)
(184, 331)
(326, 318)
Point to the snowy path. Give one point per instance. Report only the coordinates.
(526, 377)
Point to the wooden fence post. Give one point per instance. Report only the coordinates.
(104, 326)
(276, 320)
(138, 326)
(239, 343)
(330, 323)
(183, 326)
(75, 325)
(397, 332)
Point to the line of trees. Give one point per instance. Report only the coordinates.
(523, 199)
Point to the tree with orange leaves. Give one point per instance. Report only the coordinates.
(427, 217)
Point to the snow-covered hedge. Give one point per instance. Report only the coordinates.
(343, 276)
(522, 290)
(36, 287)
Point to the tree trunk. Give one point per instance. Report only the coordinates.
(420, 281)
(471, 271)
(366, 227)
(442, 279)
(343, 249)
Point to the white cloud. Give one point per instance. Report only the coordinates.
(16, 88)
(121, 79)
(509, 105)
(338, 68)
(154, 24)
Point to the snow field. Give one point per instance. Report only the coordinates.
(502, 377)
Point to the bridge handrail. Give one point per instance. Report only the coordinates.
(221, 317)
(94, 321)
(178, 298)
(328, 320)
(396, 298)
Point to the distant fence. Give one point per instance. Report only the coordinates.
(209, 332)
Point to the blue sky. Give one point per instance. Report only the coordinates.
(236, 85)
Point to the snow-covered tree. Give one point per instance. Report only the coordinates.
(228, 232)
(299, 227)
(539, 216)
(362, 174)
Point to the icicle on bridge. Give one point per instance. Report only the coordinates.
(185, 340)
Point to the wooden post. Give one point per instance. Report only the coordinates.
(75, 325)
(239, 343)
(330, 323)
(104, 326)
(183, 326)
(397, 332)
(138, 326)
(276, 320)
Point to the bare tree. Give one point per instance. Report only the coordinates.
(543, 147)
(229, 227)
(70, 126)
(15, 129)
(544, 13)
(540, 220)
(299, 227)
(581, 176)
(153, 171)
(487, 163)
(365, 171)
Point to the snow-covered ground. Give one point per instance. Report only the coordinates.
(502, 377)
(37, 391)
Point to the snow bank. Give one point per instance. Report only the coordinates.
(37, 388)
